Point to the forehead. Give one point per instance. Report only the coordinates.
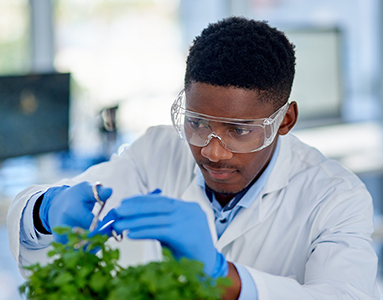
(226, 102)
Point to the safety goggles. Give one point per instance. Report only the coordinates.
(235, 135)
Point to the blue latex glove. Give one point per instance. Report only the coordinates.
(70, 206)
(180, 226)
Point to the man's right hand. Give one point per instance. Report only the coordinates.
(70, 206)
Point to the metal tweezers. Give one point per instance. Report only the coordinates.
(118, 237)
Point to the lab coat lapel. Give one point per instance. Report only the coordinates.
(194, 193)
(279, 176)
(242, 222)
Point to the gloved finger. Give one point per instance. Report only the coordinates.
(146, 204)
(103, 192)
(84, 192)
(156, 191)
(60, 238)
(85, 221)
(143, 222)
(160, 234)
(74, 221)
(106, 229)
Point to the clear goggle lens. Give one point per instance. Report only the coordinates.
(235, 135)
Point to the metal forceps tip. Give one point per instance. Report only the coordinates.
(97, 216)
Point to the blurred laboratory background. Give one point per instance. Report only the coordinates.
(81, 79)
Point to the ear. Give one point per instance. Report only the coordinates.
(290, 119)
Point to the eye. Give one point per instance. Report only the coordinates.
(196, 123)
(241, 131)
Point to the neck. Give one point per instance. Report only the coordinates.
(224, 199)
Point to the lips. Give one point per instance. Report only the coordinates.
(220, 173)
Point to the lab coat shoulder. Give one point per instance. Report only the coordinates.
(323, 185)
(322, 215)
(304, 169)
(163, 160)
(331, 198)
(157, 159)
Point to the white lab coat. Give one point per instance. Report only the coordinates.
(306, 236)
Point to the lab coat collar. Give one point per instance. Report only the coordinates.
(194, 193)
(279, 176)
(243, 221)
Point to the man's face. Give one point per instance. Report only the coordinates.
(226, 172)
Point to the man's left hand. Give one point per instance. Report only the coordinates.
(180, 226)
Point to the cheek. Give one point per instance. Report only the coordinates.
(251, 169)
(255, 164)
(196, 151)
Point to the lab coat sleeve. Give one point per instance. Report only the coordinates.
(341, 264)
(141, 168)
(248, 288)
(122, 173)
(29, 236)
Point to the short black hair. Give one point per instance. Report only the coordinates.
(243, 53)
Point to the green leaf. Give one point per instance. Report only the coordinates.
(52, 253)
(72, 259)
(84, 271)
(62, 230)
(77, 273)
(98, 281)
(63, 278)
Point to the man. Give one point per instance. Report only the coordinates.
(243, 196)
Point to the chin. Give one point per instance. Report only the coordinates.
(225, 189)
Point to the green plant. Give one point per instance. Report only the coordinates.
(76, 273)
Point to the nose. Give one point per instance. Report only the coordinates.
(214, 151)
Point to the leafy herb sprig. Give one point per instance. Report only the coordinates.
(77, 273)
